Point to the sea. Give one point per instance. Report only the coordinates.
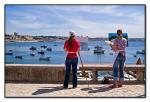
(58, 55)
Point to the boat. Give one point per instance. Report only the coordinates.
(12, 41)
(32, 54)
(18, 57)
(8, 53)
(43, 46)
(32, 48)
(49, 49)
(140, 52)
(111, 53)
(98, 49)
(55, 44)
(41, 52)
(135, 55)
(44, 58)
(10, 50)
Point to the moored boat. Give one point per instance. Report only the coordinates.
(49, 49)
(32, 48)
(140, 52)
(32, 54)
(45, 58)
(98, 49)
(41, 52)
(43, 46)
(8, 53)
(18, 57)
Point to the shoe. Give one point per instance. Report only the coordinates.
(120, 85)
(65, 87)
(74, 87)
(113, 86)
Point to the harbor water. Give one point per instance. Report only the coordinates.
(57, 55)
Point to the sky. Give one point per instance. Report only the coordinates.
(85, 20)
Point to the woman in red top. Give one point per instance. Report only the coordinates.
(72, 47)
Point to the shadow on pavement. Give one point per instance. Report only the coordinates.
(47, 90)
(97, 89)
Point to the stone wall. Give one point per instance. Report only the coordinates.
(55, 73)
(34, 73)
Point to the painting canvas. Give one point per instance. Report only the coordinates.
(83, 43)
(112, 36)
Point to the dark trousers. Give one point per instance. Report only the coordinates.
(71, 63)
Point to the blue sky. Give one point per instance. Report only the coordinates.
(85, 20)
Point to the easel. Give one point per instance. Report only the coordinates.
(84, 74)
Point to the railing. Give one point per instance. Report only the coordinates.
(55, 73)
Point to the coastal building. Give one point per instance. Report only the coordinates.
(16, 37)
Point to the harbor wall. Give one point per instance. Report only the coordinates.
(41, 73)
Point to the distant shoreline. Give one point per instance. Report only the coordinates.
(26, 41)
(90, 39)
(35, 41)
(20, 38)
(21, 41)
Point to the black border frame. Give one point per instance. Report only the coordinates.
(145, 30)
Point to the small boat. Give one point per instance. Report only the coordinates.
(55, 44)
(8, 53)
(44, 58)
(18, 57)
(10, 50)
(43, 46)
(49, 49)
(32, 54)
(41, 52)
(135, 55)
(140, 52)
(110, 53)
(32, 48)
(12, 41)
(99, 50)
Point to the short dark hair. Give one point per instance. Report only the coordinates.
(119, 30)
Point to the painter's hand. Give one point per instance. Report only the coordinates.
(110, 44)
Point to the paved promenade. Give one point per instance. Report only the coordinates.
(56, 90)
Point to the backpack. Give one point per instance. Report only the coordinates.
(105, 80)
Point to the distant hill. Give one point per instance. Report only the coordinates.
(16, 37)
